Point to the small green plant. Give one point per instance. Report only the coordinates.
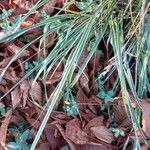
(71, 107)
(65, 148)
(104, 94)
(117, 132)
(3, 110)
(20, 142)
(5, 24)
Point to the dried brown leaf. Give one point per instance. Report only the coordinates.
(60, 117)
(50, 40)
(87, 115)
(15, 49)
(49, 7)
(120, 113)
(3, 130)
(145, 117)
(54, 142)
(27, 5)
(24, 88)
(32, 34)
(75, 133)
(36, 92)
(95, 86)
(98, 121)
(27, 23)
(10, 75)
(54, 78)
(44, 146)
(144, 147)
(94, 146)
(12, 5)
(81, 98)
(15, 97)
(62, 131)
(84, 82)
(83, 57)
(102, 133)
(94, 64)
(95, 100)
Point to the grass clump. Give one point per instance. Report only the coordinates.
(122, 24)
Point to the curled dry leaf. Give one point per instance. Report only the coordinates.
(75, 133)
(102, 133)
(15, 97)
(36, 92)
(3, 130)
(146, 116)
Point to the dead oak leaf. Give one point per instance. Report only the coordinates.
(75, 133)
(102, 133)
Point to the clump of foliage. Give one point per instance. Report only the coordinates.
(125, 25)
